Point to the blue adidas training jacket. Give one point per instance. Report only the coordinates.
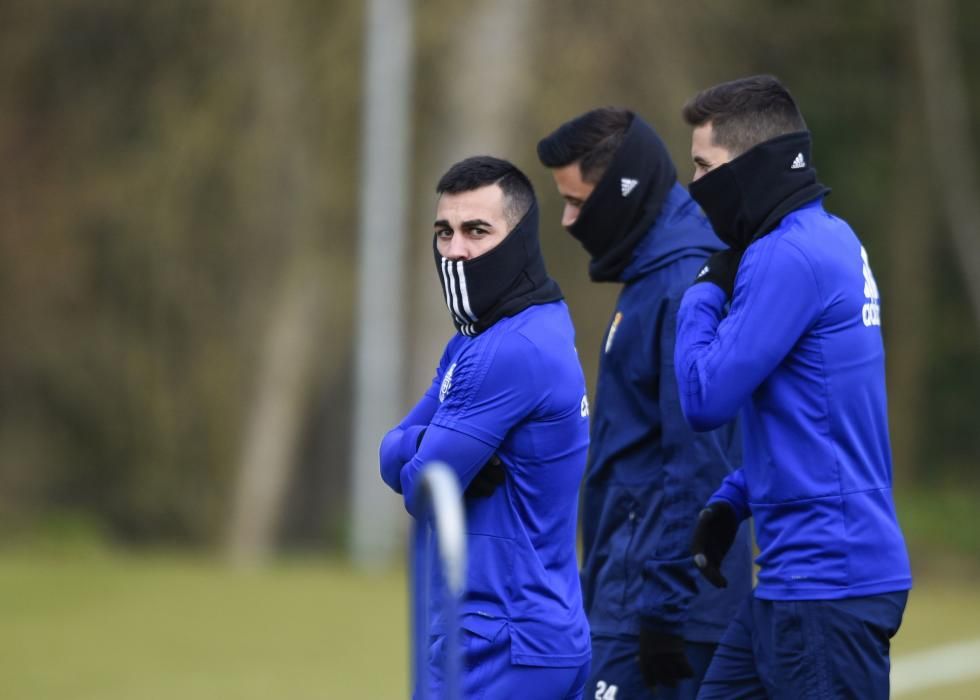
(515, 390)
(648, 473)
(800, 354)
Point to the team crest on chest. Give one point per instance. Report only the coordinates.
(612, 329)
(447, 383)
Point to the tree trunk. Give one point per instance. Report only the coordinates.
(286, 204)
(908, 298)
(276, 417)
(949, 134)
(485, 87)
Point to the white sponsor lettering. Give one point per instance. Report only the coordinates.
(447, 383)
(871, 311)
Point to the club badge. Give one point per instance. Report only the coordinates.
(612, 329)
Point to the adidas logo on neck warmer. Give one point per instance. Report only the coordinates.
(626, 185)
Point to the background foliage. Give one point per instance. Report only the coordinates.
(170, 169)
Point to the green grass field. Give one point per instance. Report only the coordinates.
(108, 628)
(113, 627)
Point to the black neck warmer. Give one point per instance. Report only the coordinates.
(502, 282)
(625, 202)
(747, 197)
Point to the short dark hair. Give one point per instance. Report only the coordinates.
(745, 112)
(481, 171)
(590, 139)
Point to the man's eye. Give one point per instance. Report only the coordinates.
(444, 233)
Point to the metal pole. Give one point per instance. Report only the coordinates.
(442, 521)
(380, 343)
(420, 584)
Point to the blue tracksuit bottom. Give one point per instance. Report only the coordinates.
(488, 673)
(806, 649)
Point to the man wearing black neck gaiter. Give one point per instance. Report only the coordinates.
(784, 327)
(508, 393)
(653, 630)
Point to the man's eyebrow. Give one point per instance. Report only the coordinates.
(473, 223)
(468, 224)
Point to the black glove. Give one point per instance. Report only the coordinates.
(713, 537)
(662, 659)
(486, 481)
(720, 269)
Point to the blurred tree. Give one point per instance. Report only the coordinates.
(949, 135)
(178, 186)
(156, 198)
(475, 85)
(120, 321)
(286, 180)
(909, 259)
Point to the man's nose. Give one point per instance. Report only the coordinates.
(569, 215)
(458, 249)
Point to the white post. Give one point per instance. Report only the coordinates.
(380, 342)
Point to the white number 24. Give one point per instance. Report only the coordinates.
(605, 691)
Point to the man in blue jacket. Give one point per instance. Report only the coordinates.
(653, 627)
(508, 400)
(800, 353)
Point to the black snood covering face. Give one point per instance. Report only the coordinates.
(625, 202)
(502, 282)
(747, 197)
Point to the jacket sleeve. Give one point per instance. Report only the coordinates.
(669, 576)
(400, 443)
(490, 394)
(464, 454)
(735, 494)
(719, 360)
